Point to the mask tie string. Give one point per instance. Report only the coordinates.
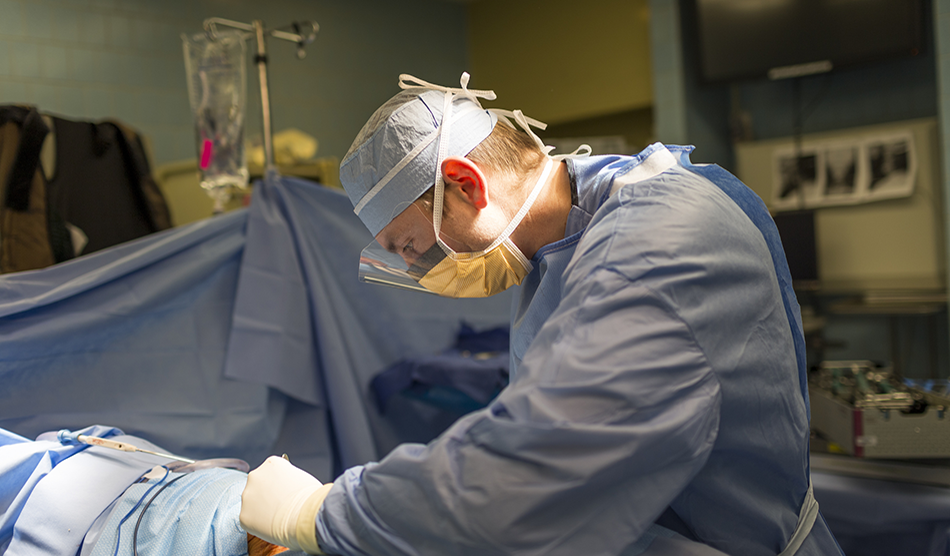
(438, 197)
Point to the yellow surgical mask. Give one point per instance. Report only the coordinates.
(471, 274)
(481, 274)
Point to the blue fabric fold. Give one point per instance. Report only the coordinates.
(197, 338)
(309, 290)
(136, 335)
(461, 379)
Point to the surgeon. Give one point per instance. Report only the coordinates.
(657, 402)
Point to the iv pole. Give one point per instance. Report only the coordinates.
(256, 30)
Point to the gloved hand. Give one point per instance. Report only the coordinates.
(280, 504)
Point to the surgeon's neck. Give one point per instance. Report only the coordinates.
(547, 220)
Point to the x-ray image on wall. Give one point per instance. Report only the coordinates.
(799, 178)
(844, 172)
(841, 170)
(890, 164)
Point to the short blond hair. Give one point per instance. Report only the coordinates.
(507, 151)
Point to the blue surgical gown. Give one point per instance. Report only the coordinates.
(657, 362)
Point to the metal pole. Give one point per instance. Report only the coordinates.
(261, 60)
(257, 29)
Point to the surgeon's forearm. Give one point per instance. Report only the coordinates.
(306, 521)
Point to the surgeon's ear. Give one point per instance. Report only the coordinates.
(471, 181)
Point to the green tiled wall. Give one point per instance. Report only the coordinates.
(95, 59)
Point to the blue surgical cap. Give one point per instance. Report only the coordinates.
(394, 158)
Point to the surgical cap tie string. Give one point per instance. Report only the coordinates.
(407, 81)
(526, 123)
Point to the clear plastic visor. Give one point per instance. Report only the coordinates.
(403, 266)
(379, 266)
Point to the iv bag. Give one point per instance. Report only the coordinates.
(217, 87)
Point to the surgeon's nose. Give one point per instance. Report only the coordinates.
(409, 258)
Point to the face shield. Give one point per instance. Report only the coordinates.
(434, 271)
(405, 262)
(379, 266)
(425, 257)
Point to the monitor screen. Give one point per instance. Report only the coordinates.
(739, 39)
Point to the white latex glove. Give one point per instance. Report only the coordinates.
(280, 504)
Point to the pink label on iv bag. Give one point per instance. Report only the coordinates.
(206, 149)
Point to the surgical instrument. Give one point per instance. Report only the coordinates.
(68, 437)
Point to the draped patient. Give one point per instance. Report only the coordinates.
(86, 500)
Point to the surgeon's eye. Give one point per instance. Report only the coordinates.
(408, 249)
